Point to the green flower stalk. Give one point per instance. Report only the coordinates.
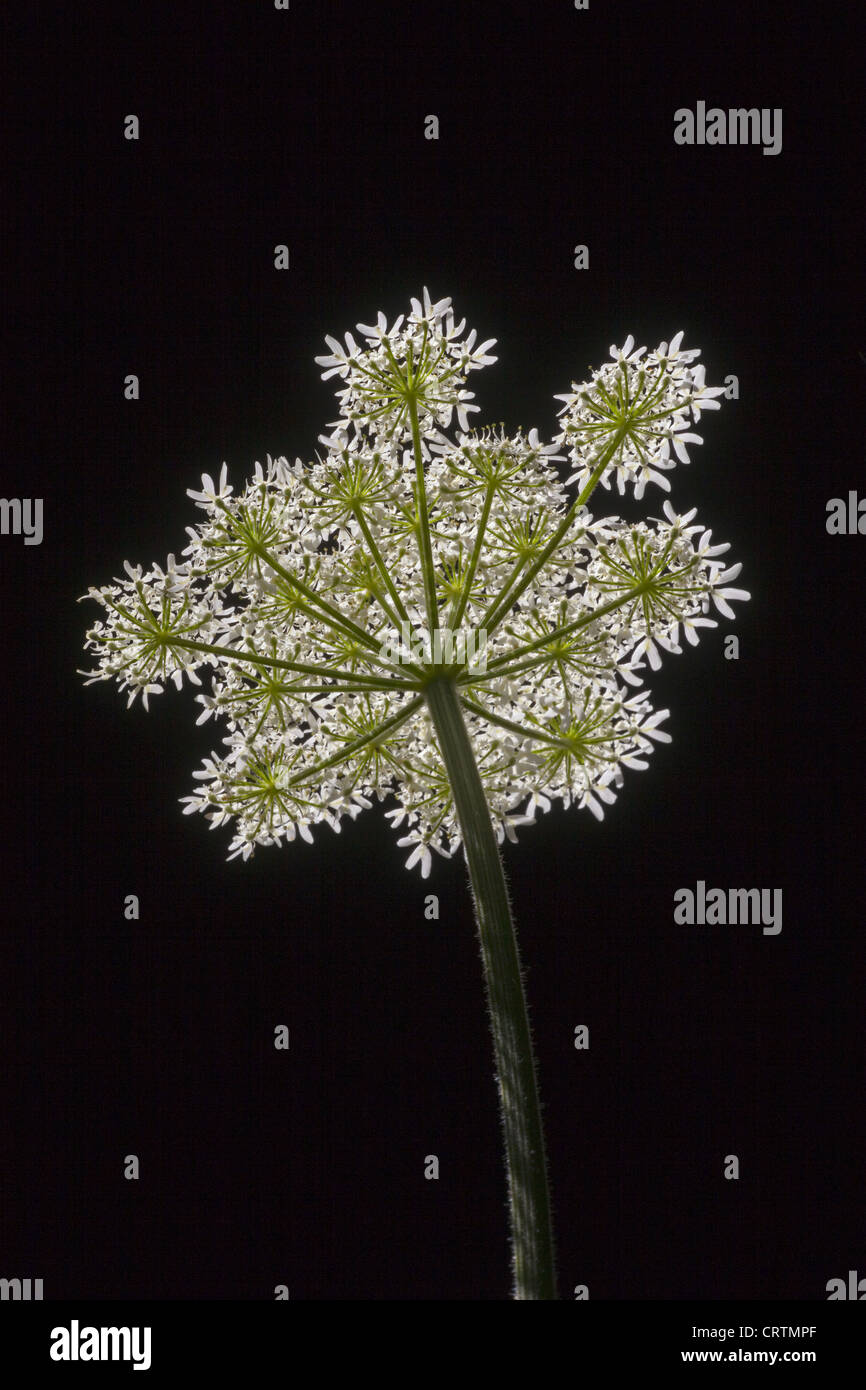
(430, 615)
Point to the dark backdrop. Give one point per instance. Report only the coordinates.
(155, 1037)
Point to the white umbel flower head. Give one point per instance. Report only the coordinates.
(322, 599)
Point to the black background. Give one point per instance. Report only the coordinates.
(155, 1037)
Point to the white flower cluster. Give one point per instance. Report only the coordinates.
(292, 592)
(426, 356)
(635, 414)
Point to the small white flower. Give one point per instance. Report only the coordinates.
(625, 353)
(702, 398)
(721, 597)
(420, 852)
(211, 494)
